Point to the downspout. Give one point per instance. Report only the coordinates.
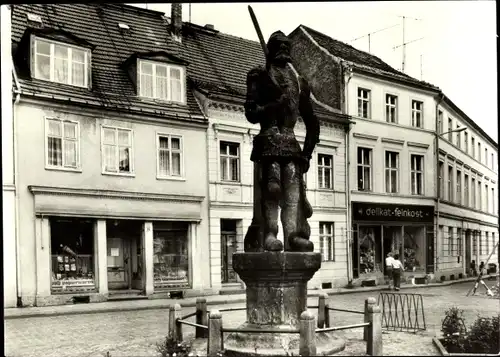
(348, 186)
(17, 91)
(438, 191)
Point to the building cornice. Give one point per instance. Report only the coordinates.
(66, 191)
(417, 145)
(365, 136)
(393, 141)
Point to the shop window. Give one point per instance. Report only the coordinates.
(230, 161)
(370, 250)
(325, 168)
(327, 241)
(414, 248)
(72, 254)
(171, 254)
(364, 169)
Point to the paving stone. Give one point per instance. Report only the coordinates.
(135, 333)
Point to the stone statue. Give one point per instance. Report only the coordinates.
(276, 98)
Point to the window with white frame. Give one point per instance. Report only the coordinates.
(473, 146)
(493, 200)
(62, 143)
(364, 169)
(494, 240)
(363, 103)
(459, 141)
(327, 241)
(417, 174)
(482, 248)
(60, 63)
(169, 156)
(440, 122)
(493, 162)
(391, 108)
(486, 196)
(466, 190)
(417, 112)
(480, 196)
(474, 243)
(473, 192)
(443, 240)
(486, 156)
(450, 241)
(230, 161)
(450, 128)
(391, 171)
(450, 184)
(441, 180)
(459, 187)
(479, 152)
(486, 243)
(161, 81)
(459, 243)
(117, 150)
(325, 170)
(466, 142)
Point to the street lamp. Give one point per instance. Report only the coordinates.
(454, 131)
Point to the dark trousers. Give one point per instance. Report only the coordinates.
(396, 275)
(388, 273)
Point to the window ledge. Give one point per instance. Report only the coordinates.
(329, 190)
(162, 101)
(67, 169)
(234, 183)
(122, 174)
(171, 178)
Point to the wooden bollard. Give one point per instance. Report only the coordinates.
(174, 328)
(322, 298)
(307, 327)
(201, 317)
(368, 302)
(327, 315)
(374, 342)
(214, 344)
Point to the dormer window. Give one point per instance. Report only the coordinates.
(162, 81)
(61, 63)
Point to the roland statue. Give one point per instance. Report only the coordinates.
(276, 98)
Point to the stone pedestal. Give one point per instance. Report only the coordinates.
(276, 291)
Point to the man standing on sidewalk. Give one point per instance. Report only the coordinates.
(388, 268)
(397, 270)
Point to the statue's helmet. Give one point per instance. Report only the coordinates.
(275, 45)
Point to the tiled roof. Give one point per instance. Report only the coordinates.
(360, 59)
(218, 62)
(98, 24)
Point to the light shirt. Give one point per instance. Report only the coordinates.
(396, 264)
(388, 261)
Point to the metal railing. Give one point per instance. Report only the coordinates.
(209, 325)
(402, 311)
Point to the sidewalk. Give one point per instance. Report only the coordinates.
(132, 305)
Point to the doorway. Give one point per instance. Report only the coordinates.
(468, 250)
(229, 245)
(124, 255)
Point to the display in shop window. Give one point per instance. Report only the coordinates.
(72, 255)
(170, 259)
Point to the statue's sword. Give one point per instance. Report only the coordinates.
(259, 32)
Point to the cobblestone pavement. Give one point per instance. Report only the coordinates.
(135, 333)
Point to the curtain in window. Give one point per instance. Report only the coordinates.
(175, 84)
(60, 64)
(109, 150)
(161, 82)
(42, 69)
(70, 151)
(146, 84)
(164, 159)
(54, 143)
(78, 67)
(176, 156)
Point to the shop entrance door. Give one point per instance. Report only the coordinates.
(119, 264)
(229, 245)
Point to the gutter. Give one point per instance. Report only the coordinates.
(438, 185)
(17, 91)
(347, 182)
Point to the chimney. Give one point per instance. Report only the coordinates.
(210, 26)
(176, 20)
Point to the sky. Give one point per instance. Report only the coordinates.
(451, 44)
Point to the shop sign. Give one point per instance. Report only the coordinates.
(380, 212)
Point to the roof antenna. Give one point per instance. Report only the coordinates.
(189, 12)
(146, 5)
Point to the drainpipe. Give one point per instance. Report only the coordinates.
(347, 182)
(438, 191)
(17, 91)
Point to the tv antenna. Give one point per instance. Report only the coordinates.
(371, 33)
(406, 43)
